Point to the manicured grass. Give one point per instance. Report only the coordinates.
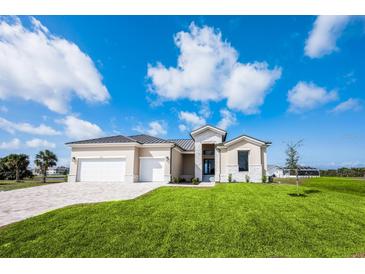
(229, 220)
(7, 185)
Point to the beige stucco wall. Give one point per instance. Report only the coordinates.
(188, 166)
(229, 162)
(176, 163)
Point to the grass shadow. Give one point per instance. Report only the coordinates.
(312, 191)
(297, 195)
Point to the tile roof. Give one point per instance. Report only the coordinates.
(185, 144)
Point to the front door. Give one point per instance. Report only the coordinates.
(208, 170)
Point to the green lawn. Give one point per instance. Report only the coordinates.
(229, 220)
(7, 185)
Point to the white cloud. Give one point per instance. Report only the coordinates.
(80, 129)
(183, 127)
(38, 143)
(322, 39)
(208, 69)
(350, 104)
(155, 128)
(248, 85)
(191, 119)
(227, 119)
(12, 127)
(39, 66)
(205, 111)
(306, 96)
(13, 144)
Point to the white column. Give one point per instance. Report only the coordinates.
(198, 161)
(217, 169)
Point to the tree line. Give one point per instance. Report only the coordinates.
(344, 172)
(16, 166)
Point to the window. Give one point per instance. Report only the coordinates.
(208, 167)
(242, 160)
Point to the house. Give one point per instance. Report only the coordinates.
(275, 171)
(60, 170)
(207, 155)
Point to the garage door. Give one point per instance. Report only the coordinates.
(151, 169)
(101, 170)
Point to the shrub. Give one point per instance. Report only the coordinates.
(175, 180)
(247, 178)
(230, 177)
(195, 181)
(264, 179)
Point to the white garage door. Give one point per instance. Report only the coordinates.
(101, 170)
(151, 169)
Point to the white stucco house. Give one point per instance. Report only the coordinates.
(207, 155)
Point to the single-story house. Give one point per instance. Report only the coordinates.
(207, 155)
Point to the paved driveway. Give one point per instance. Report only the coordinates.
(16, 205)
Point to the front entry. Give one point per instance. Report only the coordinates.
(208, 170)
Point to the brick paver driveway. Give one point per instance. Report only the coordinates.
(16, 205)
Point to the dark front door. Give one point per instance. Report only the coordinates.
(208, 167)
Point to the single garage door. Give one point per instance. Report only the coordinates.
(101, 170)
(151, 169)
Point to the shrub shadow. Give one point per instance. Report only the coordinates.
(297, 195)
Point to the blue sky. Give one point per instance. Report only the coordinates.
(277, 78)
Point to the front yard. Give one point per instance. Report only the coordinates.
(229, 220)
(6, 185)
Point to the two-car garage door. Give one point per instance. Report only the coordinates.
(101, 170)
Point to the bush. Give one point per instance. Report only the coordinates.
(178, 180)
(264, 179)
(195, 181)
(230, 177)
(247, 178)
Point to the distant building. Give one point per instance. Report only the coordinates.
(275, 171)
(61, 170)
(303, 171)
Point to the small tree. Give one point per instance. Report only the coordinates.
(17, 163)
(292, 159)
(44, 160)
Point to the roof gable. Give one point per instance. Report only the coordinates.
(209, 127)
(248, 139)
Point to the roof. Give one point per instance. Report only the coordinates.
(103, 140)
(248, 137)
(147, 139)
(202, 128)
(185, 144)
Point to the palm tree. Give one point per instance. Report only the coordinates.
(44, 160)
(16, 162)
